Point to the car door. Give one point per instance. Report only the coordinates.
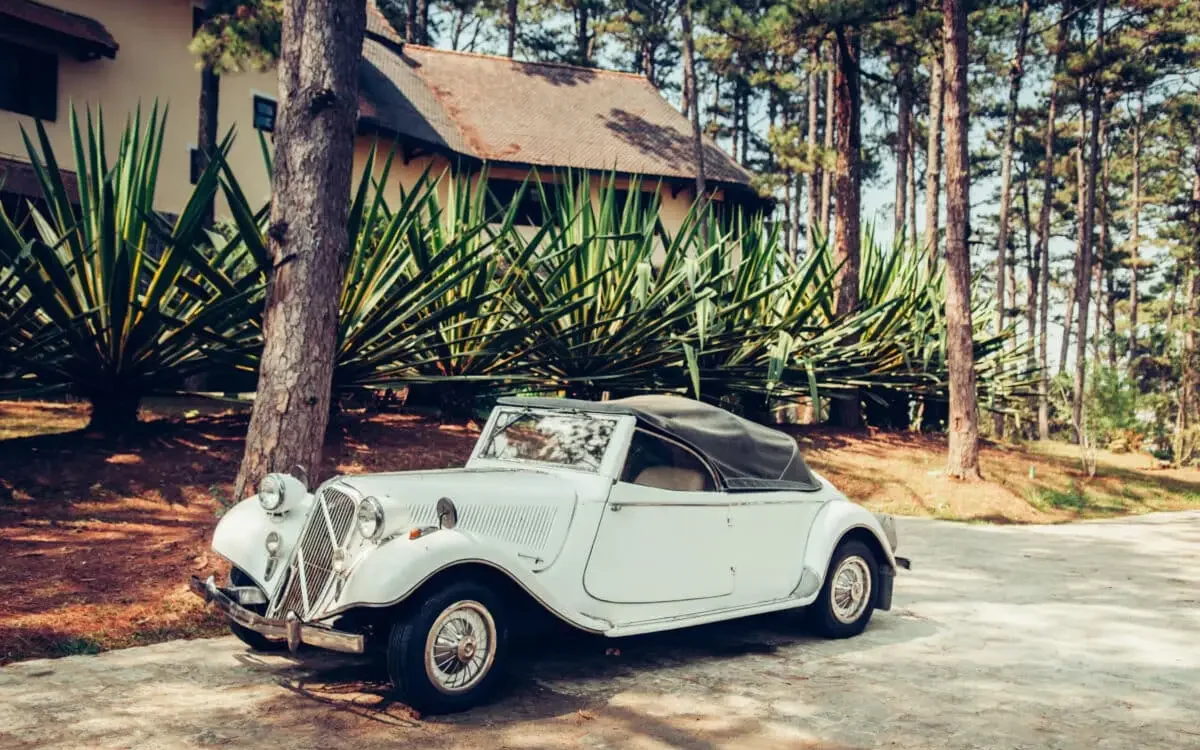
(769, 533)
(664, 535)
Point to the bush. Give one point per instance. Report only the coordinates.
(109, 300)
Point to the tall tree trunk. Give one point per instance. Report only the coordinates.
(1097, 299)
(321, 48)
(422, 21)
(1109, 294)
(582, 36)
(1170, 321)
(460, 22)
(1110, 298)
(814, 92)
(1187, 390)
(1060, 51)
(847, 412)
(745, 126)
(411, 23)
(903, 125)
(735, 119)
(1187, 385)
(912, 183)
(689, 84)
(1078, 279)
(933, 158)
(848, 188)
(1135, 237)
(799, 182)
(827, 175)
(962, 459)
(206, 136)
(510, 16)
(1032, 276)
(787, 215)
(1015, 72)
(1089, 218)
(904, 95)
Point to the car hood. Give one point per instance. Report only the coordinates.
(526, 512)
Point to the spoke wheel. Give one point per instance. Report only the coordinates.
(448, 651)
(847, 598)
(851, 589)
(461, 647)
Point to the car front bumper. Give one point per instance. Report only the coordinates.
(289, 629)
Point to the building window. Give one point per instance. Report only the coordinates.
(264, 113)
(529, 211)
(28, 81)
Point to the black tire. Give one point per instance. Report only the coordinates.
(822, 616)
(411, 635)
(256, 641)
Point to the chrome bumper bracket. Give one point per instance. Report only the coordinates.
(291, 629)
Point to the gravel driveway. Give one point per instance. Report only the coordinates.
(1079, 636)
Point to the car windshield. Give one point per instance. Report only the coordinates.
(570, 438)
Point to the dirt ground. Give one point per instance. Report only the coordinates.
(1065, 636)
(99, 536)
(83, 518)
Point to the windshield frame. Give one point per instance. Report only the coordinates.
(610, 464)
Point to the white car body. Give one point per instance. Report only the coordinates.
(623, 517)
(604, 555)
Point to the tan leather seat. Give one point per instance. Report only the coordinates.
(671, 478)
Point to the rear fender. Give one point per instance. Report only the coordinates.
(833, 523)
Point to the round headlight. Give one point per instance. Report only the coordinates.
(370, 518)
(270, 492)
(273, 542)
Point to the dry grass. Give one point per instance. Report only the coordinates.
(902, 473)
(98, 537)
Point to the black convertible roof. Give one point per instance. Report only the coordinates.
(745, 454)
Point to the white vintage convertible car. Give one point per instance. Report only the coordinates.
(620, 517)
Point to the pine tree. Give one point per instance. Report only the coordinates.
(963, 453)
(320, 53)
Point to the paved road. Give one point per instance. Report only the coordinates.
(1080, 636)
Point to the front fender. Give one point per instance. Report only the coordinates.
(241, 536)
(833, 522)
(390, 573)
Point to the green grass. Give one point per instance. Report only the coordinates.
(76, 646)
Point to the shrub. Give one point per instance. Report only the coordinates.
(108, 299)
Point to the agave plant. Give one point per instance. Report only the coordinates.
(604, 289)
(108, 299)
(423, 302)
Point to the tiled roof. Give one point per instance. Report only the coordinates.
(542, 114)
(88, 36)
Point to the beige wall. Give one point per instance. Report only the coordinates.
(674, 207)
(153, 62)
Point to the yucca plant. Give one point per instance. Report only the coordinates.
(108, 299)
(776, 336)
(423, 303)
(602, 288)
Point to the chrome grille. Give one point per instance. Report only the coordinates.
(311, 570)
